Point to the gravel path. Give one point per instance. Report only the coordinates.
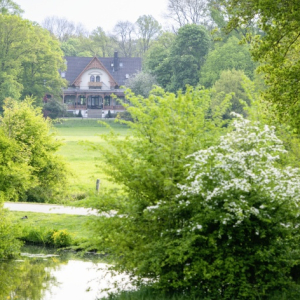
(50, 209)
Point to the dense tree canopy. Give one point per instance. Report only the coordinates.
(232, 81)
(29, 60)
(277, 49)
(9, 7)
(226, 56)
(179, 63)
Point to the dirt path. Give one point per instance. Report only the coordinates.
(50, 208)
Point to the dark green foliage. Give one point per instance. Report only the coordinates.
(110, 115)
(125, 115)
(180, 62)
(53, 109)
(79, 115)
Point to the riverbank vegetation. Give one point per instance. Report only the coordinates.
(55, 230)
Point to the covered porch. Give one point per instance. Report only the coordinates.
(83, 100)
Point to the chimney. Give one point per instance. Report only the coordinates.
(116, 61)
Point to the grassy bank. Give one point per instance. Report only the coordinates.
(39, 228)
(148, 294)
(85, 164)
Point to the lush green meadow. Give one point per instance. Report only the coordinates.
(85, 163)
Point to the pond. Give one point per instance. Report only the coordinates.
(44, 274)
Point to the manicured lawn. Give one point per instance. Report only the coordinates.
(85, 164)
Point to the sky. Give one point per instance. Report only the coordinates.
(94, 13)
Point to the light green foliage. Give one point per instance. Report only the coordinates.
(277, 49)
(9, 7)
(141, 83)
(29, 60)
(96, 44)
(228, 56)
(62, 238)
(232, 81)
(42, 77)
(102, 45)
(15, 173)
(148, 29)
(9, 245)
(24, 124)
(148, 165)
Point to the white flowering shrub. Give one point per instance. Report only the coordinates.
(241, 225)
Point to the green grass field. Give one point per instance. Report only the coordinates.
(85, 164)
(39, 223)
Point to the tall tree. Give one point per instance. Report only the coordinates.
(147, 29)
(227, 56)
(124, 36)
(62, 28)
(9, 7)
(101, 44)
(277, 49)
(179, 62)
(39, 74)
(29, 60)
(188, 52)
(189, 12)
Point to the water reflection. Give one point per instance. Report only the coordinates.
(41, 274)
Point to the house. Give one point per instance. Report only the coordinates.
(93, 81)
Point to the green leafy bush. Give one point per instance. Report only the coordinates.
(61, 238)
(53, 109)
(148, 165)
(9, 245)
(232, 232)
(45, 236)
(24, 124)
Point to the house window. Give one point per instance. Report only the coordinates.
(97, 78)
(92, 78)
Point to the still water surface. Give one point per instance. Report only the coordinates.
(43, 274)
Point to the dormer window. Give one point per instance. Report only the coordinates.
(92, 78)
(97, 78)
